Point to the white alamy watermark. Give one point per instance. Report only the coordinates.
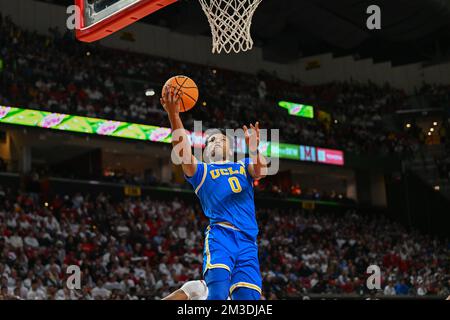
(374, 280)
(74, 20)
(73, 281)
(374, 20)
(238, 145)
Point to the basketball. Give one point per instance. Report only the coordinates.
(188, 88)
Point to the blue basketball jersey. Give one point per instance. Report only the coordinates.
(226, 194)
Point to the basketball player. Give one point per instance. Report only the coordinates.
(225, 190)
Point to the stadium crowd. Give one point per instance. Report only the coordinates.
(144, 248)
(56, 73)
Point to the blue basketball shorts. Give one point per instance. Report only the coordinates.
(231, 249)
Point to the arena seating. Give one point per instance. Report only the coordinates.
(145, 248)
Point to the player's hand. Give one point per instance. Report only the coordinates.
(252, 137)
(171, 100)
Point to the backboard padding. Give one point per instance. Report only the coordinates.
(112, 16)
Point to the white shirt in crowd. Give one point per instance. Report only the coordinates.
(11, 223)
(15, 241)
(113, 285)
(100, 292)
(122, 270)
(178, 268)
(389, 291)
(31, 242)
(139, 272)
(182, 233)
(24, 224)
(123, 230)
(23, 292)
(65, 294)
(52, 224)
(37, 294)
(163, 268)
(421, 291)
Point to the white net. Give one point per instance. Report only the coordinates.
(230, 22)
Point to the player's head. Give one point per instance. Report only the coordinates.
(218, 147)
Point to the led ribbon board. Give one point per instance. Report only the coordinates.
(127, 130)
(297, 109)
(65, 122)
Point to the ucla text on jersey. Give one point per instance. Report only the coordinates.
(225, 190)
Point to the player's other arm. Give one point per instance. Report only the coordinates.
(258, 167)
(171, 103)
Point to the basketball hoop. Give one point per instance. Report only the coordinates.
(230, 22)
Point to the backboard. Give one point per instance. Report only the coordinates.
(100, 18)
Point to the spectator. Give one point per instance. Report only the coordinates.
(99, 292)
(36, 293)
(401, 288)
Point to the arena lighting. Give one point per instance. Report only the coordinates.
(297, 109)
(408, 125)
(127, 130)
(150, 93)
(435, 123)
(431, 129)
(429, 133)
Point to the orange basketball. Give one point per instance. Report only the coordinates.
(188, 88)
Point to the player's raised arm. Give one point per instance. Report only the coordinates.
(258, 167)
(171, 103)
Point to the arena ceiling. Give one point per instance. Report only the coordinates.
(411, 30)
